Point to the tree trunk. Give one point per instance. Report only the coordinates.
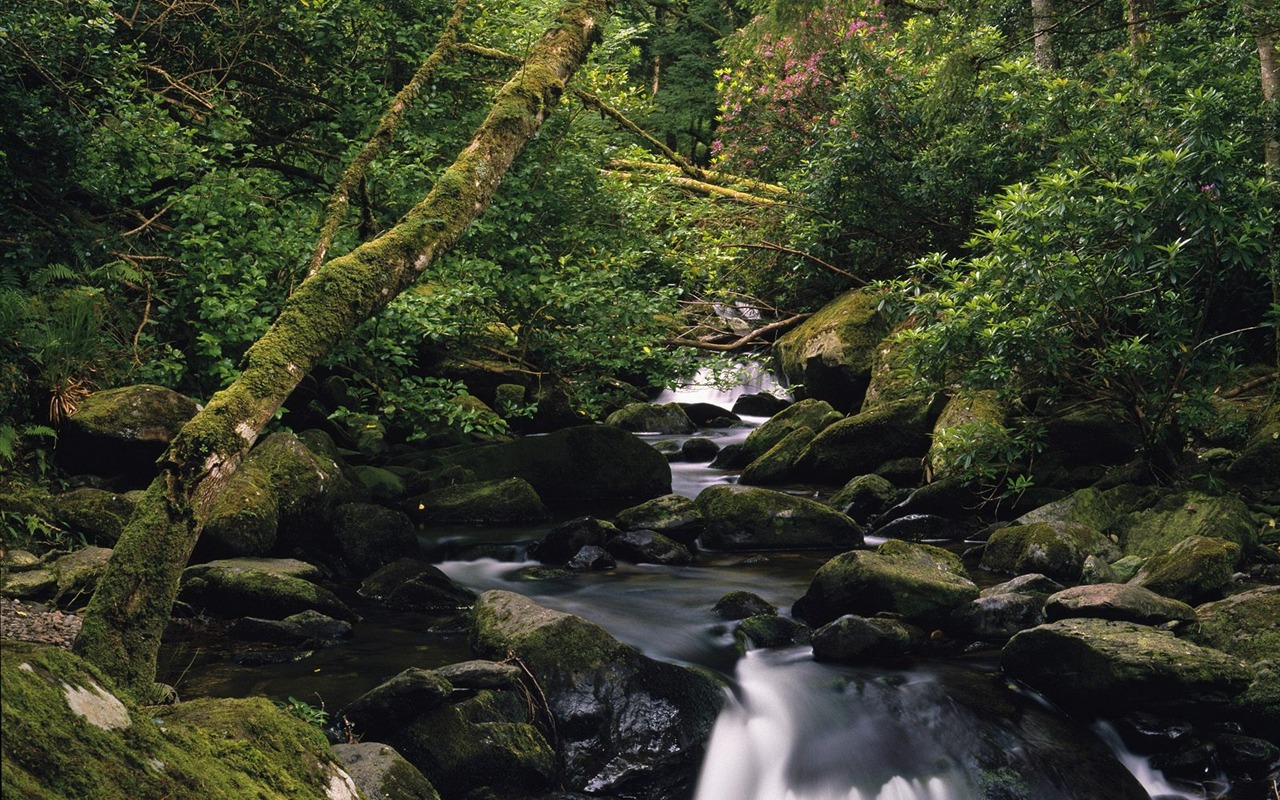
(1265, 34)
(1042, 23)
(129, 610)
(1136, 14)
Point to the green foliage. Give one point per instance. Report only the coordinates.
(312, 715)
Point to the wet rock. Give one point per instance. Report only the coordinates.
(1055, 549)
(858, 444)
(591, 558)
(997, 616)
(412, 585)
(121, 432)
(388, 707)
(859, 640)
(864, 497)
(830, 354)
(922, 528)
(564, 541)
(383, 774)
(1031, 583)
(747, 518)
(263, 587)
(710, 415)
(1096, 570)
(1175, 517)
(648, 547)
(779, 464)
(1193, 571)
(760, 404)
(740, 605)
(371, 536)
(811, 415)
(589, 462)
(649, 418)
(921, 583)
(770, 630)
(1094, 664)
(480, 674)
(305, 629)
(1117, 601)
(627, 724)
(699, 450)
(675, 515)
(494, 501)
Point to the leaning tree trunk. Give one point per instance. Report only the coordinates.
(129, 610)
(1043, 21)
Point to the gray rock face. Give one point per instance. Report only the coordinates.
(1094, 664)
(383, 774)
(995, 617)
(1116, 601)
(746, 518)
(628, 725)
(922, 583)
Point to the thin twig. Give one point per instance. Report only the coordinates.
(774, 246)
(742, 341)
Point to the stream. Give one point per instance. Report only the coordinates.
(793, 729)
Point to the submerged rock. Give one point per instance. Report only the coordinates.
(627, 724)
(648, 547)
(746, 518)
(922, 583)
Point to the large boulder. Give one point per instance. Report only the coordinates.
(272, 588)
(813, 415)
(121, 432)
(858, 640)
(829, 355)
(370, 536)
(864, 497)
(971, 423)
(98, 515)
(627, 725)
(1246, 625)
(859, 444)
(589, 462)
(651, 418)
(996, 616)
(1055, 549)
(68, 733)
(673, 515)
(392, 704)
(383, 774)
(562, 543)
(779, 464)
(1117, 601)
(281, 495)
(1097, 665)
(1179, 515)
(921, 583)
(747, 518)
(1194, 570)
(487, 502)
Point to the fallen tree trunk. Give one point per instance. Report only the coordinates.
(129, 610)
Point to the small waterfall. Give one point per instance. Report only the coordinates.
(754, 378)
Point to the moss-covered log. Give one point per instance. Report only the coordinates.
(121, 632)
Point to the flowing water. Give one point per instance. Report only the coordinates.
(793, 729)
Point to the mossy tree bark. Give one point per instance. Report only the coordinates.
(129, 610)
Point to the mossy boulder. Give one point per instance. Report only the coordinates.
(563, 542)
(589, 462)
(859, 444)
(770, 630)
(674, 515)
(1102, 665)
(1087, 506)
(486, 742)
(749, 518)
(29, 584)
(1196, 569)
(410, 584)
(1258, 465)
(98, 515)
(371, 536)
(921, 583)
(829, 355)
(811, 414)
(628, 725)
(740, 605)
(1055, 549)
(121, 432)
(68, 733)
(858, 640)
(1117, 601)
(77, 574)
(1246, 625)
(391, 705)
(647, 547)
(381, 773)
(892, 375)
(651, 418)
(272, 588)
(864, 497)
(971, 422)
(780, 463)
(280, 496)
(382, 484)
(1177, 516)
(486, 502)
